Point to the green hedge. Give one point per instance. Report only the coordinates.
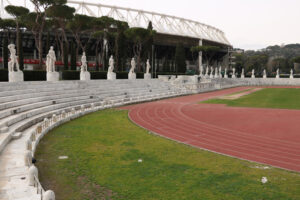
(98, 75)
(70, 75)
(75, 75)
(34, 75)
(3, 75)
(28, 75)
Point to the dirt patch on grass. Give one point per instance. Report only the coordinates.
(94, 191)
(240, 94)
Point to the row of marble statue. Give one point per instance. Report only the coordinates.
(217, 73)
(16, 75)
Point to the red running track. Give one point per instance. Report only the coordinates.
(268, 136)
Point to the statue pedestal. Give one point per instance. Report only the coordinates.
(242, 76)
(131, 76)
(85, 76)
(291, 76)
(147, 76)
(265, 76)
(277, 76)
(52, 76)
(111, 76)
(253, 76)
(15, 76)
(233, 76)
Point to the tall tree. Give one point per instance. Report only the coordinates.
(61, 14)
(208, 52)
(73, 57)
(180, 63)
(257, 62)
(138, 36)
(150, 42)
(6, 25)
(5, 51)
(81, 25)
(20, 51)
(101, 29)
(36, 22)
(120, 42)
(18, 12)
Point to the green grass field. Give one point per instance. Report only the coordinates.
(104, 148)
(266, 98)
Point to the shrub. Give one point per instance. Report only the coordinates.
(70, 75)
(98, 75)
(34, 75)
(296, 59)
(3, 75)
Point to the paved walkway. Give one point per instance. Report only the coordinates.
(13, 172)
(268, 136)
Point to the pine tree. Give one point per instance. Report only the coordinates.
(66, 54)
(5, 52)
(73, 57)
(20, 51)
(180, 59)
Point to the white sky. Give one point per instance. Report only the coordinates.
(248, 24)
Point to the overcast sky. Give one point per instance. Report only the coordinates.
(248, 24)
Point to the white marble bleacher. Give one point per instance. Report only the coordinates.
(25, 105)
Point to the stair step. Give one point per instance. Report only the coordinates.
(4, 129)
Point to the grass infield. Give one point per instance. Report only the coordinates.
(284, 98)
(104, 149)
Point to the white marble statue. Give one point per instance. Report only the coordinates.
(292, 74)
(264, 74)
(111, 64)
(277, 73)
(83, 66)
(233, 73)
(14, 72)
(201, 71)
(211, 72)
(84, 74)
(148, 67)
(225, 73)
(110, 72)
(220, 72)
(13, 63)
(133, 65)
(206, 72)
(52, 75)
(147, 75)
(50, 61)
(132, 74)
(253, 73)
(243, 73)
(216, 73)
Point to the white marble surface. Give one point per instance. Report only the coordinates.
(111, 76)
(131, 76)
(85, 76)
(15, 76)
(52, 76)
(147, 76)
